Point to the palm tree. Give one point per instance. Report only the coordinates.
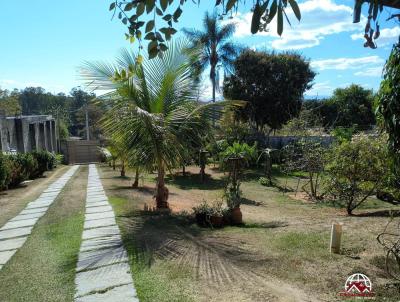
(152, 108)
(216, 49)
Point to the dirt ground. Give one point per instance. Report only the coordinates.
(280, 254)
(14, 200)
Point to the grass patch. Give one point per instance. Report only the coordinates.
(155, 279)
(307, 246)
(44, 268)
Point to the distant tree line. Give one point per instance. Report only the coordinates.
(68, 110)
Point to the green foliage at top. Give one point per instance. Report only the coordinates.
(9, 104)
(272, 84)
(389, 98)
(214, 48)
(356, 169)
(348, 107)
(132, 14)
(240, 150)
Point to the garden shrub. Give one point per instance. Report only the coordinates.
(4, 172)
(23, 166)
(46, 161)
(357, 169)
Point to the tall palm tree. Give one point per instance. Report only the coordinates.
(152, 108)
(216, 49)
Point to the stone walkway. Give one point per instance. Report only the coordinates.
(102, 272)
(15, 232)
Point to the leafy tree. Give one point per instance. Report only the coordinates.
(152, 108)
(272, 84)
(132, 12)
(354, 106)
(357, 168)
(389, 99)
(9, 102)
(80, 100)
(216, 49)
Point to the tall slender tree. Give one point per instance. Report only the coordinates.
(215, 47)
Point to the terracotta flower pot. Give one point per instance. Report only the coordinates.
(217, 221)
(236, 216)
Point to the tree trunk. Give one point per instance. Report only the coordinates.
(113, 164)
(212, 76)
(136, 182)
(123, 169)
(161, 190)
(183, 170)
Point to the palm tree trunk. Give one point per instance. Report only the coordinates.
(136, 182)
(161, 190)
(212, 76)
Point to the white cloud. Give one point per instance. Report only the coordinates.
(388, 36)
(320, 18)
(370, 72)
(347, 63)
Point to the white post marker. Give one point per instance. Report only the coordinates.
(336, 237)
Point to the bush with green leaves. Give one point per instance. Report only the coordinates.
(4, 172)
(240, 150)
(46, 161)
(23, 166)
(356, 169)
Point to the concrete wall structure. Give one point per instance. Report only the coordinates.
(28, 133)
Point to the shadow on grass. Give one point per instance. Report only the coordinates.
(193, 181)
(382, 213)
(267, 225)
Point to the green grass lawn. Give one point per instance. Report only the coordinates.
(44, 268)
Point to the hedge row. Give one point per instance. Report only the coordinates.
(16, 168)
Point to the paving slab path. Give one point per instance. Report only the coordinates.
(103, 272)
(16, 231)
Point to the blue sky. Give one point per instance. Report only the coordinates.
(43, 42)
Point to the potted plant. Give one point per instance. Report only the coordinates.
(202, 214)
(217, 215)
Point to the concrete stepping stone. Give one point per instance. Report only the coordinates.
(102, 278)
(97, 204)
(99, 209)
(89, 224)
(12, 244)
(19, 224)
(103, 232)
(33, 211)
(6, 255)
(101, 257)
(7, 234)
(100, 215)
(28, 216)
(122, 293)
(101, 243)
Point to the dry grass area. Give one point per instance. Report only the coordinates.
(280, 254)
(14, 200)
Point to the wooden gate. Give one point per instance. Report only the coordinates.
(80, 152)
